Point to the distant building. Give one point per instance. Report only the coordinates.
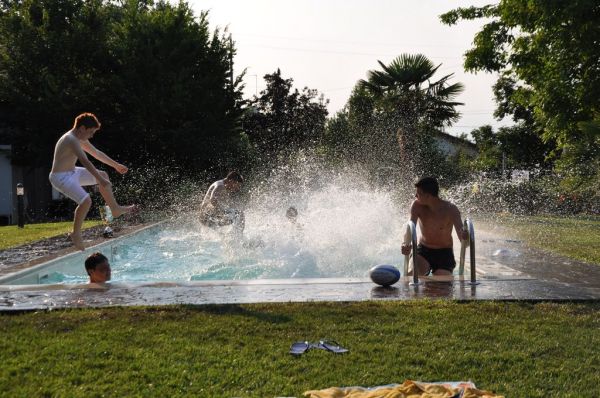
(38, 198)
(451, 145)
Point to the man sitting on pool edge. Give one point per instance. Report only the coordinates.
(436, 217)
(98, 268)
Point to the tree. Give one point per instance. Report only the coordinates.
(488, 145)
(509, 148)
(393, 113)
(548, 57)
(154, 74)
(282, 120)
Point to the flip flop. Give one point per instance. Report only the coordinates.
(332, 346)
(299, 347)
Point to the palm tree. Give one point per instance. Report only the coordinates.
(411, 102)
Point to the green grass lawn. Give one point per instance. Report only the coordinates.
(516, 349)
(575, 237)
(12, 235)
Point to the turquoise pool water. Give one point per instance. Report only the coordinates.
(341, 233)
(172, 253)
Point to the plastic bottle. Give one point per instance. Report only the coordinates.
(107, 214)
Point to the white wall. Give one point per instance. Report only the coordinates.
(450, 148)
(6, 183)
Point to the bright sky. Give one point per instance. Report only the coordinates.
(329, 45)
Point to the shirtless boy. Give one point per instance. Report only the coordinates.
(68, 179)
(436, 218)
(216, 209)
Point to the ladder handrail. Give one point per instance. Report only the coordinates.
(468, 226)
(410, 236)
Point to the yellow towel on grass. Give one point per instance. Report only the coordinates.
(408, 389)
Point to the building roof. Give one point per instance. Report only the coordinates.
(455, 140)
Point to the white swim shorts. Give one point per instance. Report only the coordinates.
(70, 183)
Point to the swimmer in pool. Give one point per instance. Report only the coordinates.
(98, 268)
(436, 217)
(68, 179)
(292, 214)
(217, 208)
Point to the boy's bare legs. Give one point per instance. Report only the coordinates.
(422, 266)
(109, 198)
(442, 272)
(80, 212)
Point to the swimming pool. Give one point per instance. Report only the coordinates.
(342, 232)
(343, 235)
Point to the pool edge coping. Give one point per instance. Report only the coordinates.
(18, 270)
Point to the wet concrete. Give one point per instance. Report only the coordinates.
(301, 290)
(506, 270)
(516, 256)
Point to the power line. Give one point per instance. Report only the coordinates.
(337, 52)
(348, 42)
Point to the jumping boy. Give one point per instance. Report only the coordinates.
(436, 218)
(68, 179)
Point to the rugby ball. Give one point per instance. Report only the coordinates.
(384, 274)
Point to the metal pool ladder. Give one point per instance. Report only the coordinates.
(468, 226)
(410, 236)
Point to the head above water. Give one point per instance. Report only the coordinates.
(291, 213)
(427, 187)
(233, 181)
(98, 268)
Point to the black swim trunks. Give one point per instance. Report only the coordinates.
(438, 258)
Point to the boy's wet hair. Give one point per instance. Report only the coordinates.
(291, 212)
(87, 120)
(93, 260)
(428, 185)
(235, 176)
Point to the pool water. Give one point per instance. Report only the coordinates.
(340, 233)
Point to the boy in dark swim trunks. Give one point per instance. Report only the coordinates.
(436, 217)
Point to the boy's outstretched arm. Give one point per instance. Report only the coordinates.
(85, 162)
(104, 158)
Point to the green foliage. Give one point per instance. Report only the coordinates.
(158, 80)
(391, 118)
(518, 146)
(281, 121)
(516, 349)
(11, 235)
(541, 194)
(573, 237)
(547, 54)
(404, 88)
(490, 154)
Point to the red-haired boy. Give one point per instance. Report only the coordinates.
(68, 179)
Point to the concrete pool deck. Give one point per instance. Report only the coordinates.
(273, 291)
(506, 270)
